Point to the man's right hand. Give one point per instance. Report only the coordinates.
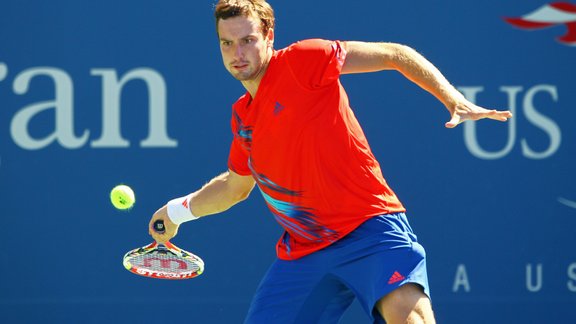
(171, 229)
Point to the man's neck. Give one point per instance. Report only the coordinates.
(252, 86)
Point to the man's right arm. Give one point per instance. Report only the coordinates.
(218, 195)
(221, 193)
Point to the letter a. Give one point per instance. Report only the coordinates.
(62, 105)
(461, 279)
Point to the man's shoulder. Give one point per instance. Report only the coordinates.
(309, 51)
(308, 44)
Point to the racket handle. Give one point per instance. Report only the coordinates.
(159, 226)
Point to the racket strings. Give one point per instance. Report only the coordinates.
(160, 261)
(164, 262)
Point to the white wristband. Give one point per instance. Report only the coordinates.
(179, 210)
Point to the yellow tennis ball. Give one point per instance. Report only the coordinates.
(122, 197)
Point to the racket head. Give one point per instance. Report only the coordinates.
(163, 261)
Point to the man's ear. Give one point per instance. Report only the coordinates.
(270, 38)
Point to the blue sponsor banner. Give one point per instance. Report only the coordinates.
(97, 93)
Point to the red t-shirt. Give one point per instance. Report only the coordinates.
(301, 142)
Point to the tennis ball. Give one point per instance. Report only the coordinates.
(122, 197)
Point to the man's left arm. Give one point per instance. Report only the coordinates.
(364, 57)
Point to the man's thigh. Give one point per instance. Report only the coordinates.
(299, 292)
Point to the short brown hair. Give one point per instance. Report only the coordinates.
(261, 9)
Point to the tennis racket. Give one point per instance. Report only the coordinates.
(163, 261)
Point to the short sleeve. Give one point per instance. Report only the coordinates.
(238, 158)
(316, 63)
(239, 149)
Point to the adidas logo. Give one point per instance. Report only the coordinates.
(185, 203)
(278, 108)
(396, 276)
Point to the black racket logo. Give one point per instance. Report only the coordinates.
(159, 227)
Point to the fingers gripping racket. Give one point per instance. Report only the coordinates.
(163, 261)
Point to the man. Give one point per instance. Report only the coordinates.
(295, 136)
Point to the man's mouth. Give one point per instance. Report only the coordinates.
(240, 66)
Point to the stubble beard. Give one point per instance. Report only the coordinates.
(252, 72)
(249, 74)
(244, 75)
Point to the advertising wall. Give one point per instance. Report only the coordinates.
(97, 93)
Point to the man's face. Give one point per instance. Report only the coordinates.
(245, 51)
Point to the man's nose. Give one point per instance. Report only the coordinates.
(238, 51)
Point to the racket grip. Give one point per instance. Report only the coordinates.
(159, 226)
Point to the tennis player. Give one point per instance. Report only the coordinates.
(346, 234)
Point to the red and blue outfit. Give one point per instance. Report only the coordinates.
(300, 140)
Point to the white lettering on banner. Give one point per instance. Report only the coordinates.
(572, 277)
(112, 86)
(111, 91)
(63, 106)
(529, 278)
(534, 276)
(532, 115)
(470, 137)
(544, 123)
(461, 279)
(3, 71)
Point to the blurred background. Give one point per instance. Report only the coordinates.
(98, 93)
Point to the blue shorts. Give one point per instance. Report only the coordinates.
(376, 258)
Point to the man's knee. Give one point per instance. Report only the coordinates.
(406, 304)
